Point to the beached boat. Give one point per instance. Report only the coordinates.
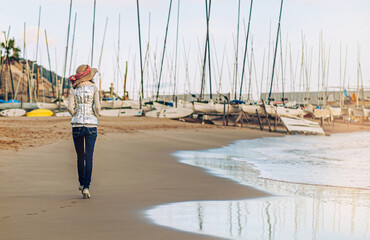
(13, 112)
(284, 111)
(251, 109)
(335, 111)
(308, 109)
(323, 113)
(229, 108)
(357, 112)
(29, 106)
(14, 105)
(184, 104)
(62, 114)
(367, 113)
(114, 104)
(169, 112)
(49, 106)
(205, 108)
(161, 104)
(300, 125)
(121, 113)
(40, 113)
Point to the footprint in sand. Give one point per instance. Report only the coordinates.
(66, 206)
(31, 214)
(5, 217)
(73, 203)
(44, 210)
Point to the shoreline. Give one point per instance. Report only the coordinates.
(134, 170)
(244, 217)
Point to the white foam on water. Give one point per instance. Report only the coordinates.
(341, 160)
(323, 184)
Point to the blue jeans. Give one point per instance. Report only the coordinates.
(84, 139)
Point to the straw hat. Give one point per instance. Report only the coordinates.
(83, 74)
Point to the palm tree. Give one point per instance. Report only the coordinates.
(10, 55)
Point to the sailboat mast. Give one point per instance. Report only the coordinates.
(73, 43)
(208, 8)
(164, 50)
(237, 52)
(93, 35)
(358, 73)
(141, 96)
(101, 52)
(209, 54)
(177, 43)
(118, 49)
(276, 45)
(38, 34)
(245, 51)
(47, 49)
(102, 45)
(66, 54)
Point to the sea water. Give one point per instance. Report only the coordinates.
(320, 187)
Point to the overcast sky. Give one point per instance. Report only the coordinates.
(341, 22)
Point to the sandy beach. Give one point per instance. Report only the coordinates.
(133, 171)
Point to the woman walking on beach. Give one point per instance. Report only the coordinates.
(84, 106)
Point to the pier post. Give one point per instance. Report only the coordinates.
(259, 120)
(224, 117)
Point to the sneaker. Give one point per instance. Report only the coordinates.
(86, 193)
(80, 187)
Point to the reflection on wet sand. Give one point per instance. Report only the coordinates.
(299, 211)
(267, 218)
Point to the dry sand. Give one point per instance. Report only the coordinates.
(133, 171)
(20, 133)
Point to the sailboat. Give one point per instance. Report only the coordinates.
(231, 108)
(163, 108)
(284, 111)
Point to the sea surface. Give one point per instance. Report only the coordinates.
(320, 189)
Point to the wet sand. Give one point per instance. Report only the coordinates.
(133, 171)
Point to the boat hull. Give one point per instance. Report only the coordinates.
(251, 109)
(13, 113)
(121, 113)
(205, 108)
(229, 108)
(170, 113)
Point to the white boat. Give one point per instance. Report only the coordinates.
(300, 125)
(205, 108)
(62, 114)
(308, 109)
(29, 106)
(229, 108)
(367, 113)
(161, 104)
(13, 113)
(169, 112)
(322, 113)
(49, 106)
(13, 105)
(251, 109)
(121, 113)
(357, 112)
(114, 104)
(284, 111)
(136, 105)
(335, 111)
(184, 104)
